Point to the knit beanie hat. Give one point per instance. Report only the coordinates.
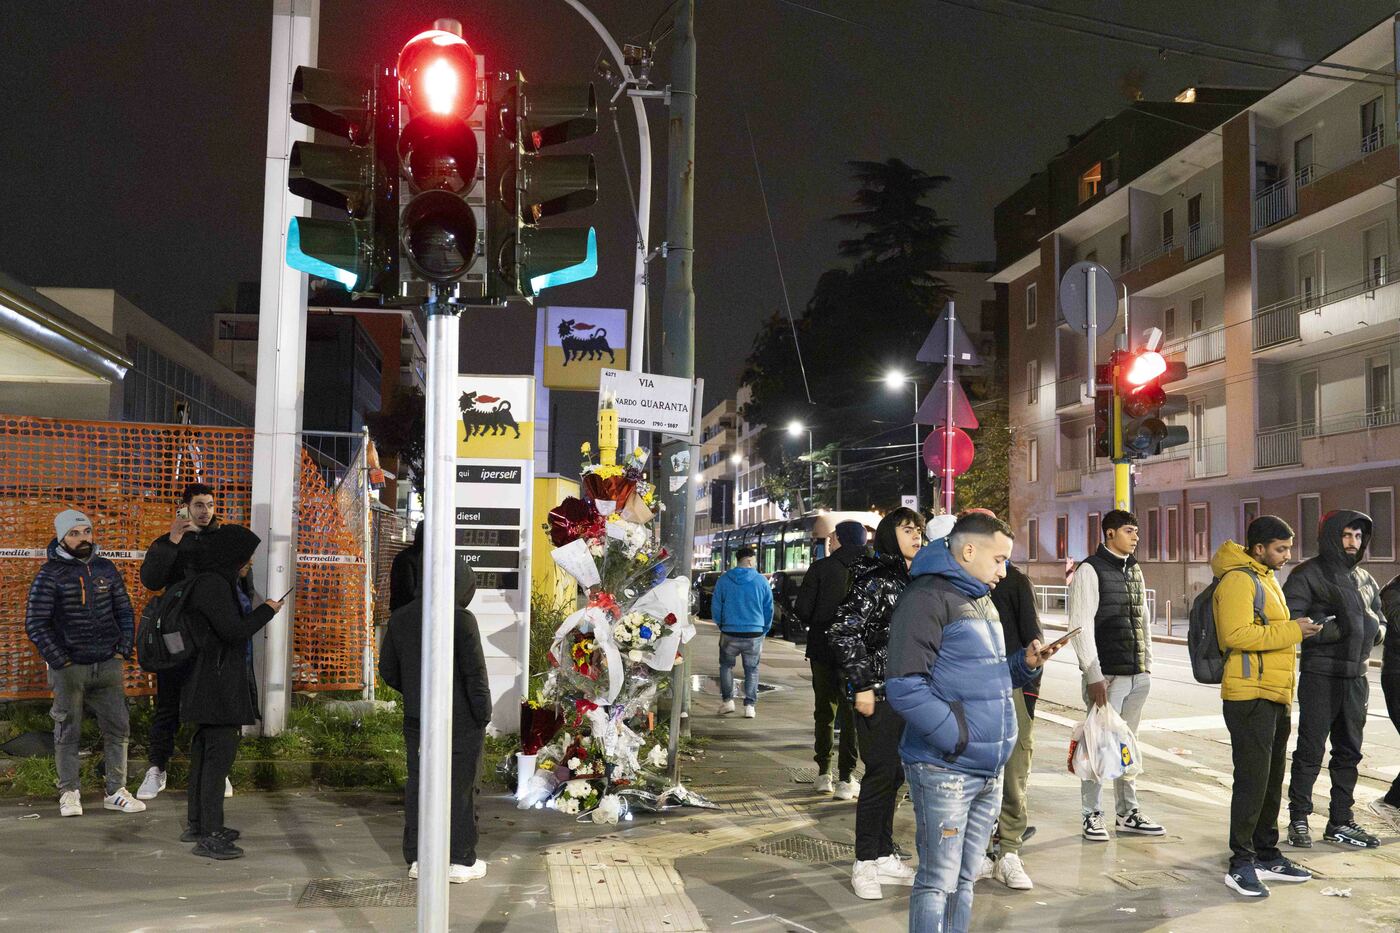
(851, 534)
(67, 520)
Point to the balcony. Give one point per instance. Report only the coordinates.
(1208, 457)
(1202, 239)
(1199, 349)
(1313, 188)
(1277, 447)
(1069, 480)
(1283, 446)
(1364, 303)
(1279, 201)
(1069, 392)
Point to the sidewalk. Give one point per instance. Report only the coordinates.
(775, 858)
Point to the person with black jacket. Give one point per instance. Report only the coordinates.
(400, 664)
(1388, 807)
(219, 695)
(824, 588)
(406, 573)
(169, 559)
(1332, 588)
(859, 640)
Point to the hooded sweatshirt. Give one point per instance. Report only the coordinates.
(78, 610)
(1260, 651)
(220, 688)
(743, 603)
(948, 675)
(1334, 584)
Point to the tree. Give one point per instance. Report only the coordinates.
(861, 320)
(987, 483)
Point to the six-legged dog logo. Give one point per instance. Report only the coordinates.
(486, 414)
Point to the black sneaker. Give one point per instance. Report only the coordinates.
(1299, 836)
(1245, 880)
(1349, 834)
(189, 835)
(1281, 869)
(217, 847)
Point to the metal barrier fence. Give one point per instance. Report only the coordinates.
(1053, 598)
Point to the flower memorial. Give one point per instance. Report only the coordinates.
(609, 657)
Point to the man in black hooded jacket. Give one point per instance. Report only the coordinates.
(1332, 588)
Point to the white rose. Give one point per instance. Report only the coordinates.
(635, 655)
(657, 757)
(573, 764)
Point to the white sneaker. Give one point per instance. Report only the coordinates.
(413, 871)
(823, 785)
(123, 802)
(987, 869)
(461, 874)
(894, 870)
(847, 790)
(865, 880)
(152, 784)
(70, 803)
(1010, 872)
(228, 788)
(726, 707)
(749, 712)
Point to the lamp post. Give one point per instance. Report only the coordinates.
(795, 429)
(893, 380)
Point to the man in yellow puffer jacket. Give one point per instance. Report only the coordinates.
(1260, 642)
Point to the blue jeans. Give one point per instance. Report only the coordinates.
(750, 648)
(954, 814)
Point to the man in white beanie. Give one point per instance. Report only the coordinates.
(79, 617)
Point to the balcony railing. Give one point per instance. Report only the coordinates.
(1202, 239)
(1380, 417)
(1278, 323)
(1277, 202)
(1373, 141)
(1208, 457)
(1069, 480)
(1069, 391)
(1276, 447)
(1199, 349)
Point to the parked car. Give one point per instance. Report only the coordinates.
(702, 591)
(786, 624)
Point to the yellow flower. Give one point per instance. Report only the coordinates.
(637, 453)
(607, 472)
(586, 448)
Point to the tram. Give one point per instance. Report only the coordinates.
(788, 544)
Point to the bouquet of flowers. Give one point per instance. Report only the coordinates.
(576, 797)
(636, 634)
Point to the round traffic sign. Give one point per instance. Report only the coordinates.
(963, 451)
(1074, 297)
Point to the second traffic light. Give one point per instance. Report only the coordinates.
(1143, 403)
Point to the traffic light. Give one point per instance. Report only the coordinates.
(1143, 402)
(360, 179)
(442, 219)
(1105, 414)
(524, 186)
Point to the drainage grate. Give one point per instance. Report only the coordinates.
(807, 849)
(1137, 880)
(332, 892)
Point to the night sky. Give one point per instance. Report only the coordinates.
(133, 152)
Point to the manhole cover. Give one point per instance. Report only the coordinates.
(808, 849)
(1137, 880)
(331, 892)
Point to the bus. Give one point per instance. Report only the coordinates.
(786, 544)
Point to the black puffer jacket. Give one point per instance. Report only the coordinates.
(1333, 583)
(824, 589)
(219, 688)
(860, 636)
(1390, 605)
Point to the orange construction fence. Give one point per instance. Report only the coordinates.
(127, 478)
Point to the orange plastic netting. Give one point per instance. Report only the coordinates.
(127, 478)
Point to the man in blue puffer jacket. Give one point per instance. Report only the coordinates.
(949, 677)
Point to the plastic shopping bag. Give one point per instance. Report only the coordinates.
(1078, 758)
(1110, 746)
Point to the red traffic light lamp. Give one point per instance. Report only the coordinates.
(1143, 402)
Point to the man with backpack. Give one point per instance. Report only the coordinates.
(1332, 687)
(1257, 639)
(79, 617)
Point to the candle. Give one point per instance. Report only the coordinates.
(607, 432)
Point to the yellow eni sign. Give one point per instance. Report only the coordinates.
(496, 417)
(580, 342)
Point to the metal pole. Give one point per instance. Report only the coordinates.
(368, 692)
(948, 425)
(637, 338)
(435, 770)
(281, 357)
(838, 478)
(811, 496)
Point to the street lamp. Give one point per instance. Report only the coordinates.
(795, 429)
(893, 380)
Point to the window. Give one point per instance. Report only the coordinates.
(1095, 533)
(1168, 229)
(1380, 505)
(1375, 243)
(1307, 403)
(1372, 125)
(1090, 182)
(1380, 398)
(1033, 460)
(1198, 314)
(1124, 253)
(1061, 537)
(1169, 324)
(1303, 167)
(1307, 278)
(1033, 539)
(1309, 515)
(1154, 534)
(1171, 548)
(1032, 311)
(1200, 532)
(1032, 382)
(1193, 213)
(1249, 511)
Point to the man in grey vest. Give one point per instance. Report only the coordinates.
(1107, 602)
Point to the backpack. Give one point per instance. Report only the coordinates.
(164, 641)
(1207, 660)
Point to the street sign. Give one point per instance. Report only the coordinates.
(909, 502)
(934, 409)
(646, 402)
(963, 451)
(1074, 297)
(935, 348)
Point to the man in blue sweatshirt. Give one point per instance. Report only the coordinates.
(949, 677)
(743, 609)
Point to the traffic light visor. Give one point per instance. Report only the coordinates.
(324, 248)
(437, 74)
(558, 257)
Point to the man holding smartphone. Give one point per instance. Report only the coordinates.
(170, 558)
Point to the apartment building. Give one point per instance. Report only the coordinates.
(753, 503)
(1261, 247)
(716, 476)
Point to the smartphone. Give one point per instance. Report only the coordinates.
(1063, 638)
(183, 512)
(1325, 619)
(283, 597)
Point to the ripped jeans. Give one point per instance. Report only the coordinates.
(954, 815)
